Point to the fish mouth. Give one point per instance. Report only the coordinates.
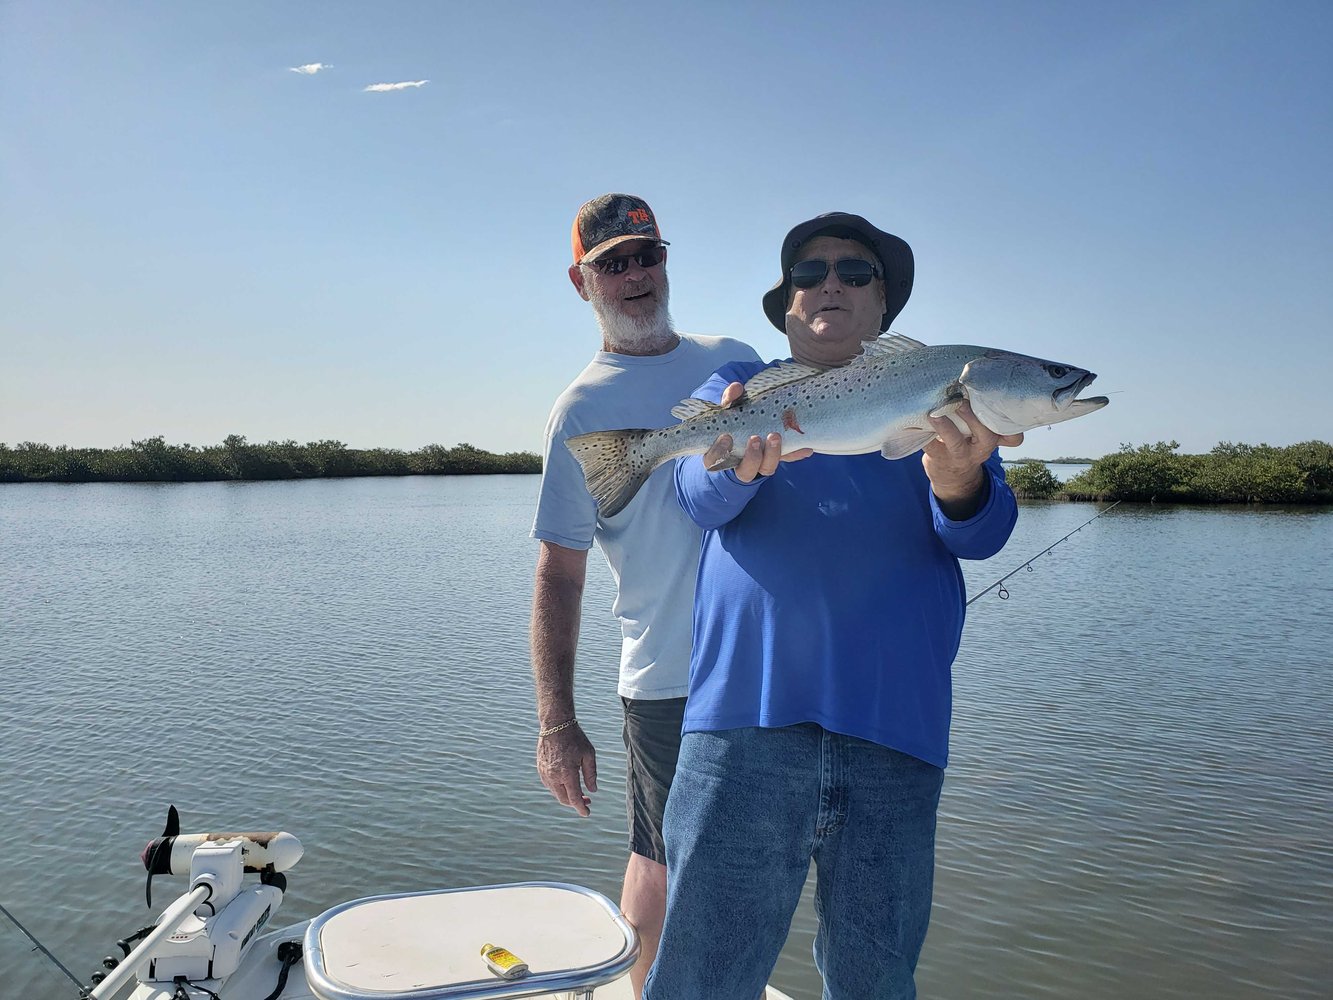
(1066, 397)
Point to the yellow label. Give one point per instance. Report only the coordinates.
(503, 962)
(503, 957)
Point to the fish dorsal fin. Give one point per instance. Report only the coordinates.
(781, 374)
(891, 343)
(687, 408)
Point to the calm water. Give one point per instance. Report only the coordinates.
(1140, 802)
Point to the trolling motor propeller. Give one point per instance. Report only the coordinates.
(152, 854)
(268, 854)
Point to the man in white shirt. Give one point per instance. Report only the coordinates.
(643, 369)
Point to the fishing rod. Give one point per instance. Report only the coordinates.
(1004, 594)
(83, 990)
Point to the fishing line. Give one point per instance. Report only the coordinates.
(1004, 594)
(83, 990)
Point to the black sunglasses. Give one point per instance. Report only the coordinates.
(618, 265)
(851, 271)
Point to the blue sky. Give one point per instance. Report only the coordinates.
(198, 241)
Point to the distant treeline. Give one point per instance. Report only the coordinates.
(1230, 473)
(154, 461)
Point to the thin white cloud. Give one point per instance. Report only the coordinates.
(310, 69)
(380, 88)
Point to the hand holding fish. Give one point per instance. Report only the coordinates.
(761, 454)
(953, 460)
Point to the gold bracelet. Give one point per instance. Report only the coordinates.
(541, 733)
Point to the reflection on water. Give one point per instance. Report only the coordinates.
(1139, 802)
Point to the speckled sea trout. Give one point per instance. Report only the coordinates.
(879, 401)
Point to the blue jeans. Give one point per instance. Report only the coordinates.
(749, 809)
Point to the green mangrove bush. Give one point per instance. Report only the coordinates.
(1031, 480)
(1230, 473)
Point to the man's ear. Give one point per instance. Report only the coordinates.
(576, 276)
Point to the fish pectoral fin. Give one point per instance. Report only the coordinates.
(907, 441)
(950, 410)
(687, 408)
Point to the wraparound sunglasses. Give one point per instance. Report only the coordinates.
(618, 265)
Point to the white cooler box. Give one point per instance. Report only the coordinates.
(427, 945)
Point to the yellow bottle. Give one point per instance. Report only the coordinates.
(503, 962)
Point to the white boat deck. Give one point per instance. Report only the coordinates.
(261, 974)
(426, 945)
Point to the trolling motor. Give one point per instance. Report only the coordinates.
(206, 932)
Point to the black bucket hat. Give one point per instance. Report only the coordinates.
(895, 256)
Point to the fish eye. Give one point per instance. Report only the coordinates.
(1056, 371)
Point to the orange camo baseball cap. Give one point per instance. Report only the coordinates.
(609, 220)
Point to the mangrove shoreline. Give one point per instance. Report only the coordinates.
(154, 461)
(1157, 473)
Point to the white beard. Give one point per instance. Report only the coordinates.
(633, 334)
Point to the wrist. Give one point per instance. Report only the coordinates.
(554, 709)
(962, 490)
(559, 727)
(966, 505)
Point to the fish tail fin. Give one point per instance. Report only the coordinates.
(615, 465)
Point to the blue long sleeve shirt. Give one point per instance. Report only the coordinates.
(830, 592)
